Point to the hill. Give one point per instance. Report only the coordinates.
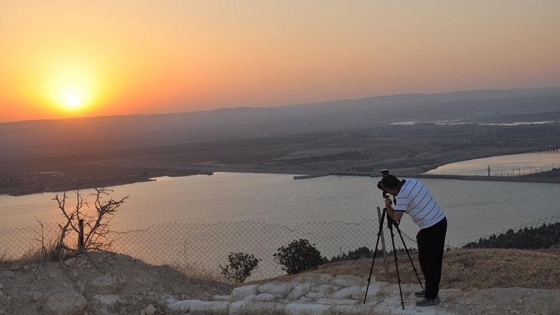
(492, 281)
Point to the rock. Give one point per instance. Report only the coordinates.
(346, 293)
(388, 288)
(358, 309)
(248, 307)
(238, 307)
(149, 310)
(335, 301)
(305, 299)
(241, 293)
(299, 291)
(214, 308)
(279, 289)
(348, 281)
(307, 309)
(183, 306)
(200, 307)
(322, 291)
(66, 303)
(372, 291)
(168, 299)
(390, 303)
(265, 297)
(104, 285)
(36, 295)
(80, 287)
(108, 300)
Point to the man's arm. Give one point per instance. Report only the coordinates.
(395, 215)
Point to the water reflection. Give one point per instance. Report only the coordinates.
(503, 165)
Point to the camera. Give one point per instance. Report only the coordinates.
(390, 221)
(384, 172)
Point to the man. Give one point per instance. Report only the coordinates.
(412, 197)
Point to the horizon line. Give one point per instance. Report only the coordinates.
(279, 106)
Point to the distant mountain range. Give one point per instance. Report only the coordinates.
(474, 106)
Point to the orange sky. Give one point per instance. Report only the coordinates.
(67, 58)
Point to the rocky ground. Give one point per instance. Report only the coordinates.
(105, 283)
(108, 283)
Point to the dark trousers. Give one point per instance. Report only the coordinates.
(431, 242)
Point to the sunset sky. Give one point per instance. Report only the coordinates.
(68, 58)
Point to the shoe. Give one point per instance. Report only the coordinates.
(420, 293)
(429, 302)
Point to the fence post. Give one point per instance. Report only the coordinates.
(383, 244)
(81, 236)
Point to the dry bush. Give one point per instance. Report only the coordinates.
(30, 257)
(90, 230)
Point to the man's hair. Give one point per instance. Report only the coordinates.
(390, 182)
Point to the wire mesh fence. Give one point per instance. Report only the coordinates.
(204, 247)
(17, 243)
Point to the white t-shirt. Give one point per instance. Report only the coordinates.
(415, 199)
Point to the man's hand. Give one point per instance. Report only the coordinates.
(388, 203)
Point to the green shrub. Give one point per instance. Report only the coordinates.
(240, 266)
(298, 256)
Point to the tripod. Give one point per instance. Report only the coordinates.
(390, 224)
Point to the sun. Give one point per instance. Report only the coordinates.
(71, 95)
(73, 98)
(71, 89)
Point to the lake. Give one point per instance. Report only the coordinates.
(474, 208)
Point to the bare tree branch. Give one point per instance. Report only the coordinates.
(91, 230)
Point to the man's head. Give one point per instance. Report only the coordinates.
(390, 184)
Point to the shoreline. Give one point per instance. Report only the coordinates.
(110, 182)
(553, 180)
(524, 179)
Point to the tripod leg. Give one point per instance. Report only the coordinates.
(375, 252)
(396, 264)
(410, 258)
